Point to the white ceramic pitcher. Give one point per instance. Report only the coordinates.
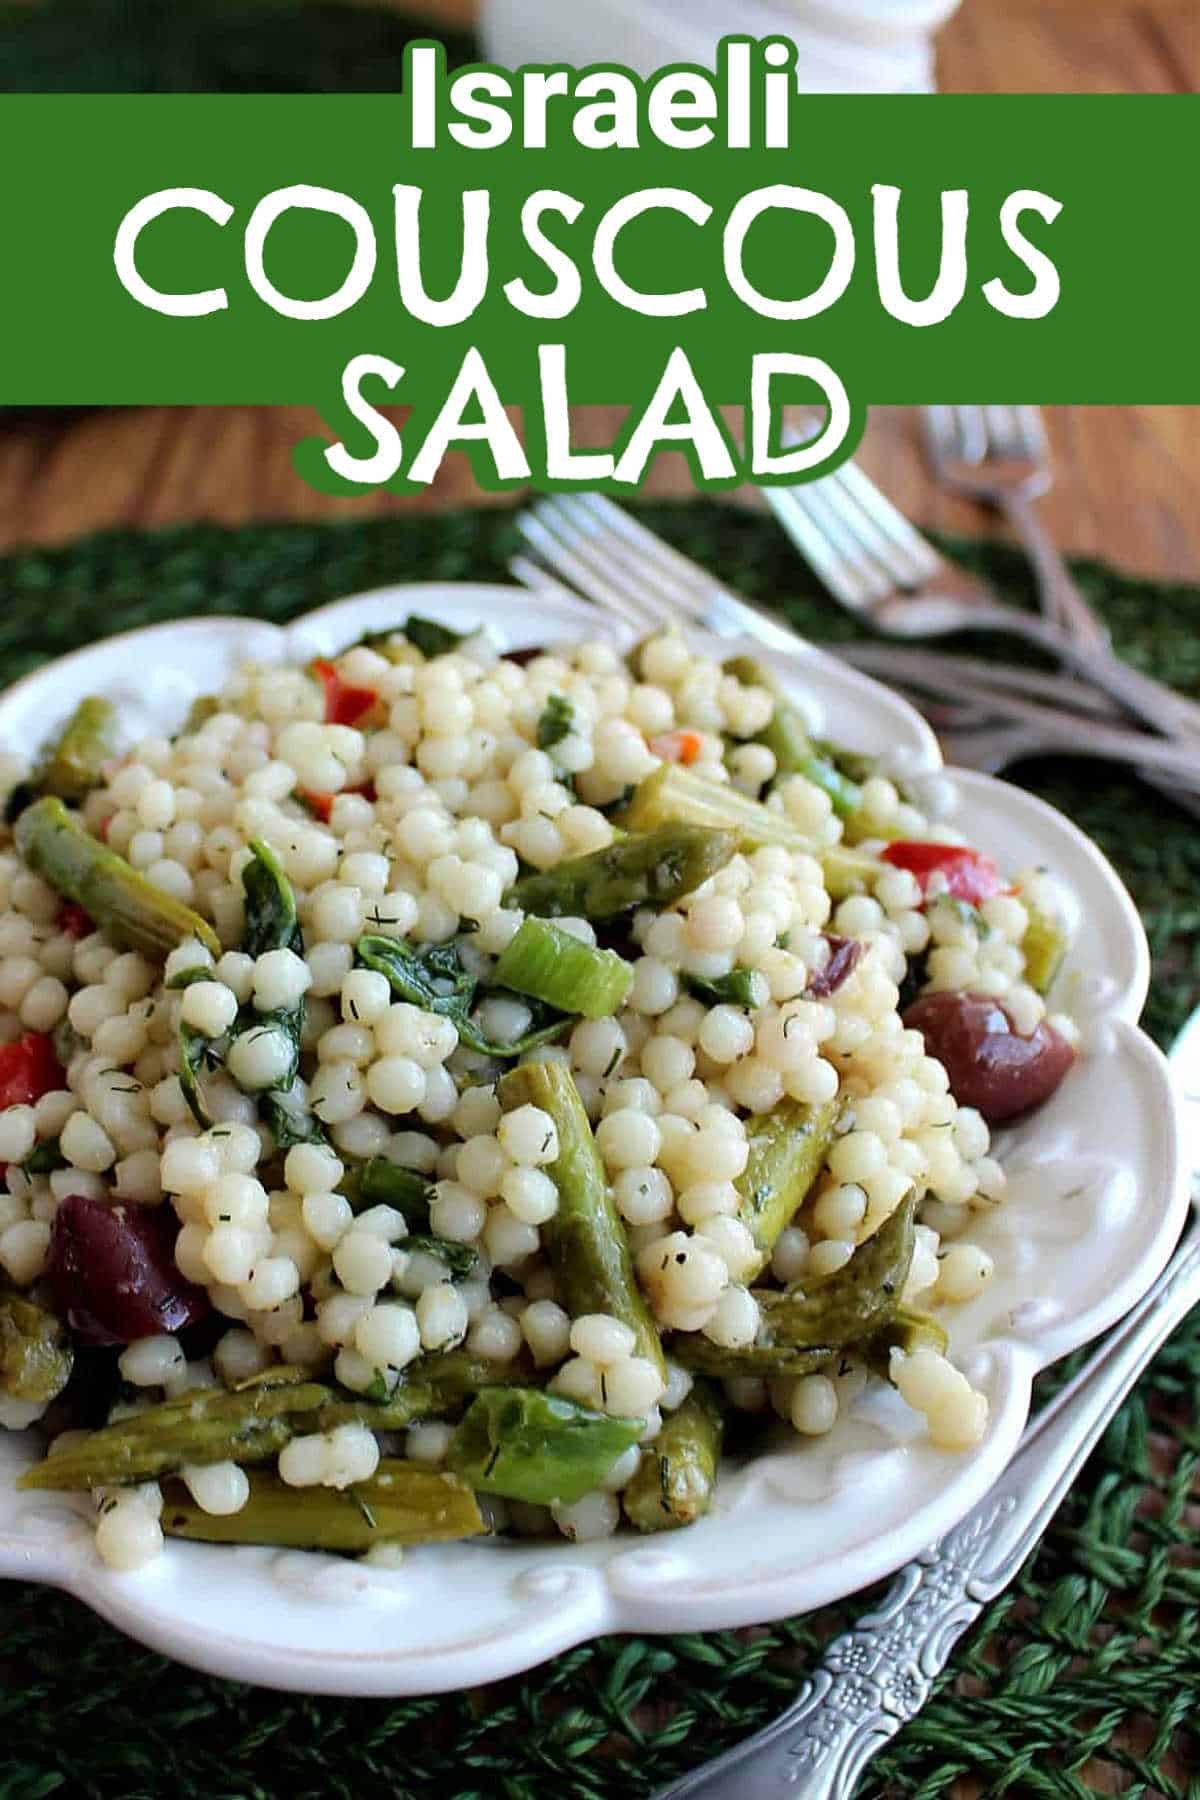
(845, 46)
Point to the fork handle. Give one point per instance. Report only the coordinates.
(1160, 706)
(1060, 598)
(877, 1676)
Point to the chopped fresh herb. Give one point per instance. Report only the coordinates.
(434, 979)
(432, 638)
(45, 1159)
(555, 723)
(459, 1259)
(741, 987)
(193, 1047)
(364, 1509)
(270, 904)
(289, 1126)
(188, 977)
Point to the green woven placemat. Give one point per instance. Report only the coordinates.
(1084, 1678)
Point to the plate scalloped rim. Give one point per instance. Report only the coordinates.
(797, 1528)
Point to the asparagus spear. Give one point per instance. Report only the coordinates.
(74, 764)
(549, 964)
(35, 1353)
(806, 1327)
(857, 1299)
(120, 900)
(253, 1423)
(787, 1150)
(786, 736)
(674, 1484)
(527, 1445)
(653, 868)
(767, 1359)
(585, 1240)
(207, 1426)
(401, 1503)
(674, 794)
(378, 1182)
(910, 1329)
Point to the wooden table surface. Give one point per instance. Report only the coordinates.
(1127, 480)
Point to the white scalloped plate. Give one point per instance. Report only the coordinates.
(1097, 1200)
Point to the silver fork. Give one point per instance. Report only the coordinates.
(602, 551)
(880, 567)
(1000, 455)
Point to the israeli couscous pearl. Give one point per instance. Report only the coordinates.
(217, 1488)
(529, 1136)
(128, 1535)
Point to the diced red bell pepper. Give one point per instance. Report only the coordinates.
(321, 805)
(344, 704)
(969, 874)
(28, 1069)
(74, 921)
(677, 746)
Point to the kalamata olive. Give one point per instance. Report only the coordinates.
(843, 960)
(112, 1269)
(990, 1065)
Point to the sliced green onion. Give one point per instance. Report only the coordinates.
(549, 964)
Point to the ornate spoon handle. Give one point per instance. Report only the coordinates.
(878, 1676)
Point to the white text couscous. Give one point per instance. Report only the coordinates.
(445, 1092)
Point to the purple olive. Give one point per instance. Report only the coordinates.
(843, 960)
(990, 1065)
(112, 1269)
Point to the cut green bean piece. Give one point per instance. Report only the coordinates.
(677, 795)
(1044, 946)
(524, 1444)
(674, 1484)
(35, 1352)
(651, 868)
(585, 1240)
(401, 1503)
(115, 896)
(74, 764)
(549, 964)
(788, 1147)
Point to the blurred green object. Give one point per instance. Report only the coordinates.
(209, 47)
